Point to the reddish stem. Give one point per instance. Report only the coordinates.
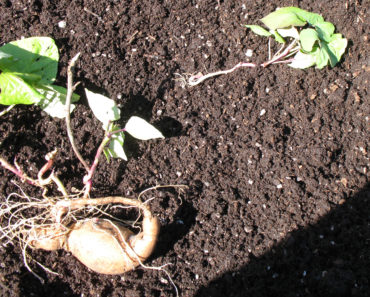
(88, 178)
(278, 58)
(19, 173)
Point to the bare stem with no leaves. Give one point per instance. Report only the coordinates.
(70, 89)
(17, 171)
(5, 111)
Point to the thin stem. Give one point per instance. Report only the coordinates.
(278, 56)
(197, 79)
(19, 173)
(91, 171)
(70, 89)
(50, 160)
(59, 184)
(284, 61)
(269, 48)
(5, 111)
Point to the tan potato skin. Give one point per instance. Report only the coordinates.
(94, 243)
(102, 245)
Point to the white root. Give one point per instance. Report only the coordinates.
(193, 80)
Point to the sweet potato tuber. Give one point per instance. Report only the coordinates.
(102, 245)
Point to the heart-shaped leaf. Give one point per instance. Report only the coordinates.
(34, 55)
(283, 18)
(259, 30)
(302, 60)
(104, 108)
(325, 30)
(141, 129)
(14, 90)
(308, 37)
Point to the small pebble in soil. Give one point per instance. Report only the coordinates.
(164, 281)
(62, 24)
(248, 229)
(249, 53)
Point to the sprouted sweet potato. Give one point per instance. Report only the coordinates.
(77, 223)
(102, 245)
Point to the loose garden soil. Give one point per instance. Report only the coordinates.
(276, 159)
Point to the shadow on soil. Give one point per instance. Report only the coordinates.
(173, 232)
(319, 260)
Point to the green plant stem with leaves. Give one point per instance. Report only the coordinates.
(91, 170)
(315, 44)
(32, 64)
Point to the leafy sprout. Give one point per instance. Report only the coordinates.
(314, 43)
(107, 112)
(318, 44)
(28, 70)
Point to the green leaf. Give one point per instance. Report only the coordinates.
(302, 60)
(322, 58)
(308, 37)
(325, 30)
(115, 147)
(333, 60)
(309, 17)
(28, 77)
(104, 108)
(291, 32)
(141, 129)
(14, 90)
(5, 59)
(35, 55)
(259, 30)
(277, 36)
(54, 100)
(337, 46)
(283, 18)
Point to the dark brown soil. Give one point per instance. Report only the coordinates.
(278, 203)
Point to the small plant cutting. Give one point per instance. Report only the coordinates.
(74, 222)
(312, 42)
